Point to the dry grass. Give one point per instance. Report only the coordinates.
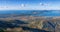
(34, 22)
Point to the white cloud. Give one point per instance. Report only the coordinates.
(39, 6)
(43, 4)
(40, 3)
(22, 5)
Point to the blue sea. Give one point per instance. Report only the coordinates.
(32, 12)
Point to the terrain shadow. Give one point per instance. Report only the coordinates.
(19, 22)
(34, 29)
(4, 24)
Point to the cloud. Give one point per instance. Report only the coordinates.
(43, 4)
(22, 5)
(40, 3)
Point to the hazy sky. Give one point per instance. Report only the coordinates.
(29, 4)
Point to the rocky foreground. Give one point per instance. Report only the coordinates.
(30, 24)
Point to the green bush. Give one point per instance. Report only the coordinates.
(1, 30)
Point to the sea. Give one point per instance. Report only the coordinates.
(31, 12)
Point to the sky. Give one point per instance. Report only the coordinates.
(29, 4)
